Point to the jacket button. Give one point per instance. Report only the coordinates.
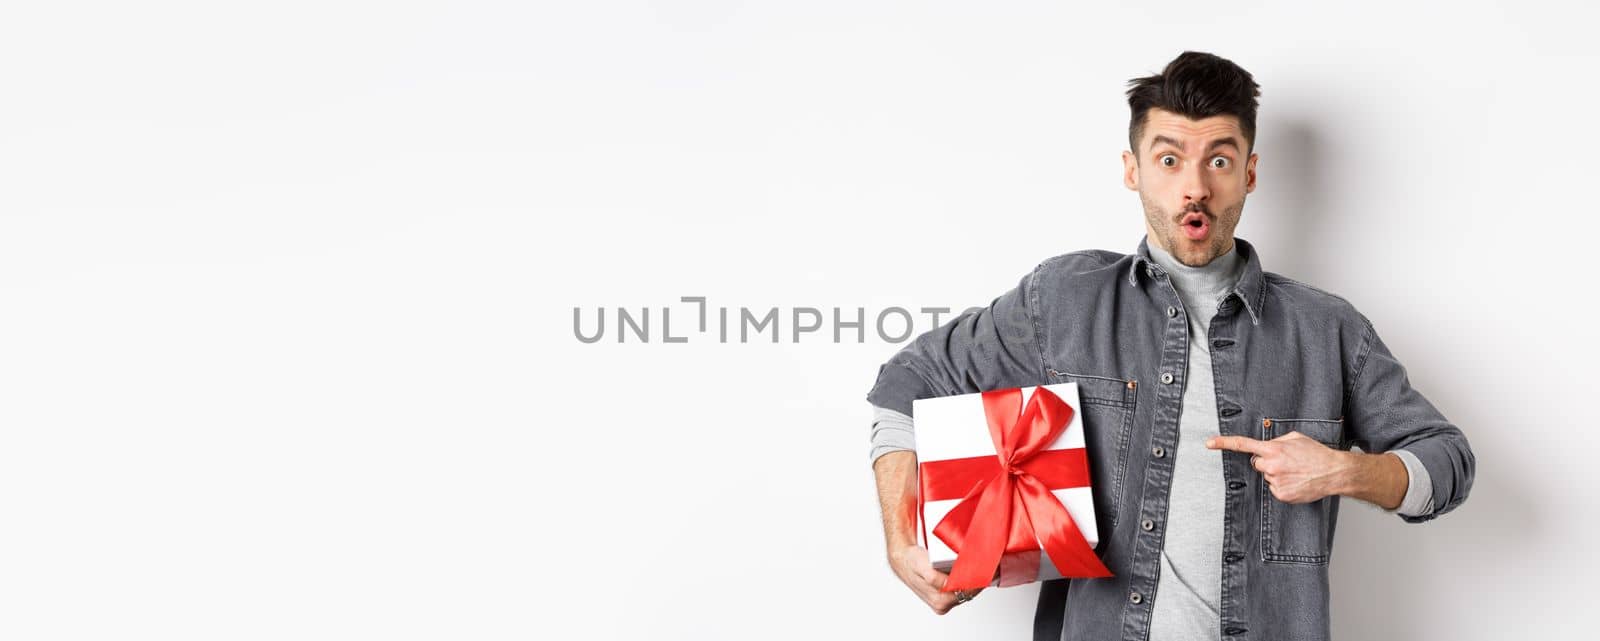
(1158, 452)
(1172, 311)
(1135, 598)
(1147, 524)
(1235, 485)
(1166, 377)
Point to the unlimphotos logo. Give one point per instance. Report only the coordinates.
(892, 324)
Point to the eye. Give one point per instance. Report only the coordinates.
(1219, 162)
(1168, 160)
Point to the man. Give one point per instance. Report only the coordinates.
(1219, 401)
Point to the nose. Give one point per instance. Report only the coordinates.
(1196, 187)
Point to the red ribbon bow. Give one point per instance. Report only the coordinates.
(1006, 499)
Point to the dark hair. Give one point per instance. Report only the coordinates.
(1195, 85)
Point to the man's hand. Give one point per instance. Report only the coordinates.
(1296, 467)
(897, 492)
(911, 564)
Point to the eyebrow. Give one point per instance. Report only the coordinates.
(1229, 141)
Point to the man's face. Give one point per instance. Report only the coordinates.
(1192, 178)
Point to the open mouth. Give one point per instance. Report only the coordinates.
(1196, 226)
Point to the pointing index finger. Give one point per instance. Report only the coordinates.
(1237, 444)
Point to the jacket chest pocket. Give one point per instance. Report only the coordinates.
(1107, 405)
(1302, 532)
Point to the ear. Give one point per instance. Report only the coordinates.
(1130, 171)
(1250, 174)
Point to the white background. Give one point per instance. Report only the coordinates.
(286, 296)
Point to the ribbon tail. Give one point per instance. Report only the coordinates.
(1020, 563)
(1066, 546)
(952, 529)
(985, 537)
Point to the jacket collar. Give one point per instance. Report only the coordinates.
(1250, 289)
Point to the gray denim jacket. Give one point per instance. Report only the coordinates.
(1285, 356)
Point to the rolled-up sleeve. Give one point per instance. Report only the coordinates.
(1384, 412)
(891, 432)
(984, 348)
(1419, 486)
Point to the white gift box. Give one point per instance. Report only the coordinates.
(955, 427)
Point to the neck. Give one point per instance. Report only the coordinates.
(1207, 281)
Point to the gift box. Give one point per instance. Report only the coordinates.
(1003, 491)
